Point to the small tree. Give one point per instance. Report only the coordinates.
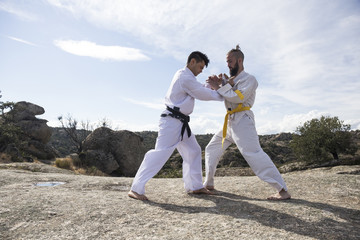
(77, 136)
(319, 137)
(104, 123)
(9, 132)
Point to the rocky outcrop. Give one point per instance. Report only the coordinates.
(104, 161)
(325, 205)
(109, 151)
(26, 111)
(24, 116)
(35, 133)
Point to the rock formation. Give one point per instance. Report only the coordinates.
(109, 151)
(35, 132)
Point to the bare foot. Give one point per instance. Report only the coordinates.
(210, 188)
(137, 196)
(202, 191)
(282, 195)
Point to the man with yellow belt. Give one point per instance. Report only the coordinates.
(239, 127)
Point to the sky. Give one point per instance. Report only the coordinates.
(113, 60)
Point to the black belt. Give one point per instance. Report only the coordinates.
(175, 113)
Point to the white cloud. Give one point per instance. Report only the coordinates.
(305, 56)
(151, 105)
(170, 26)
(203, 125)
(284, 42)
(8, 6)
(198, 125)
(115, 125)
(22, 41)
(354, 123)
(123, 125)
(288, 123)
(90, 49)
(200, 121)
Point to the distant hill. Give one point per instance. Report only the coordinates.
(61, 142)
(277, 146)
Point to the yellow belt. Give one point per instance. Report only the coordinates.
(239, 108)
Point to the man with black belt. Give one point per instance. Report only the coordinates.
(179, 101)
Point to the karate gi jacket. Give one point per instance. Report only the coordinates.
(243, 91)
(184, 89)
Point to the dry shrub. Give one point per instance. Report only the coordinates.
(65, 163)
(91, 171)
(80, 171)
(5, 158)
(74, 164)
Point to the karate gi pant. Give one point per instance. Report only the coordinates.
(242, 132)
(168, 139)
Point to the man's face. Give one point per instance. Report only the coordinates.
(233, 65)
(196, 67)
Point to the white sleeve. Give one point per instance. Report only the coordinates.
(199, 91)
(241, 94)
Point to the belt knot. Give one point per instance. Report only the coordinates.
(175, 113)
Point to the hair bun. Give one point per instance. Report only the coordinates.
(237, 47)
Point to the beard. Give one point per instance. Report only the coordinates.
(233, 71)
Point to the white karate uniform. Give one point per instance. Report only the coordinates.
(241, 131)
(183, 91)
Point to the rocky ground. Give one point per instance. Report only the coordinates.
(325, 205)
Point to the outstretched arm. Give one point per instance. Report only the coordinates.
(199, 91)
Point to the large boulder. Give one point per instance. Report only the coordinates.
(36, 129)
(125, 147)
(24, 114)
(39, 150)
(35, 133)
(103, 161)
(26, 111)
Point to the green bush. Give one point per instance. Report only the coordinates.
(319, 139)
(9, 132)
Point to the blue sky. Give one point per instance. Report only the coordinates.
(114, 59)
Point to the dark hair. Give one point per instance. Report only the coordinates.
(199, 56)
(237, 52)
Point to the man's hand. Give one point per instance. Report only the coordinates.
(231, 81)
(223, 76)
(214, 82)
(227, 79)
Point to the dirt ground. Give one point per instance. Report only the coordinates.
(325, 205)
